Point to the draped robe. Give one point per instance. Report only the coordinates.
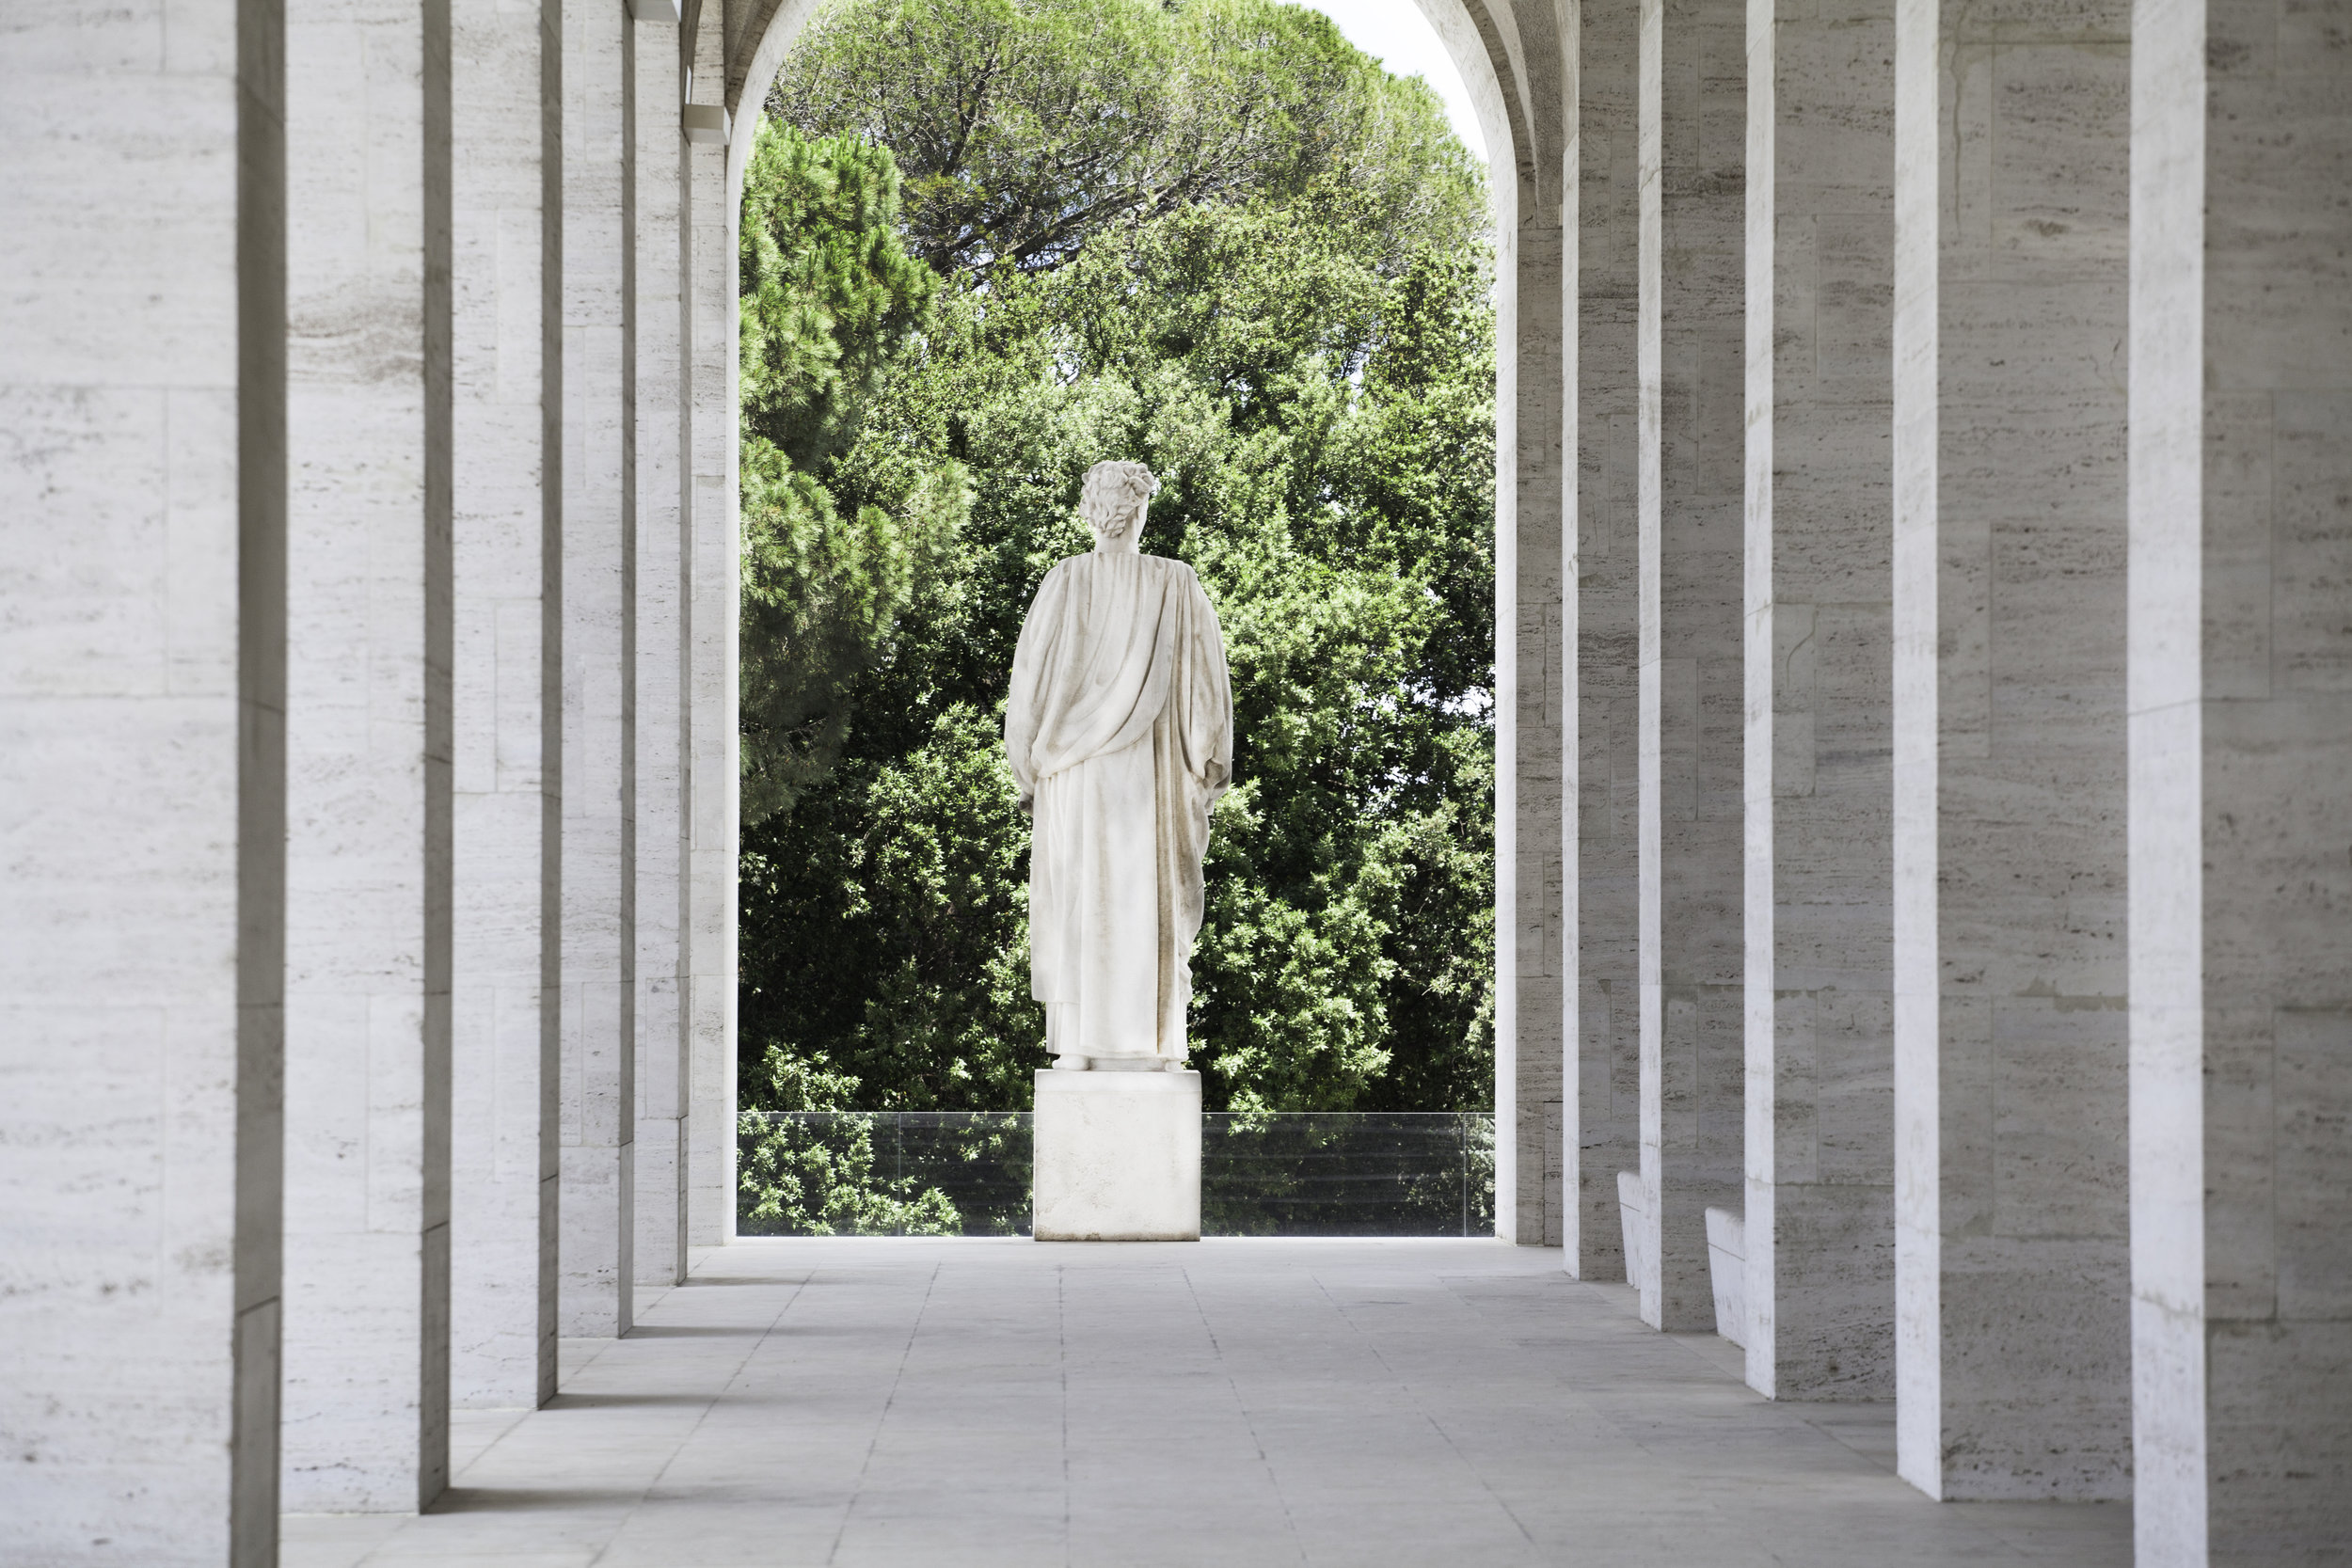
(1119, 728)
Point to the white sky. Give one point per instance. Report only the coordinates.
(1395, 32)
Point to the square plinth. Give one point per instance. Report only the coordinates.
(1117, 1156)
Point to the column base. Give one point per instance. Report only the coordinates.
(1727, 1271)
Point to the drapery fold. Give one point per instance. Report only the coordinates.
(1120, 730)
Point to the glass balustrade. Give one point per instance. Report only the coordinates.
(948, 1173)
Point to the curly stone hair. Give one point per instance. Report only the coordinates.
(1108, 500)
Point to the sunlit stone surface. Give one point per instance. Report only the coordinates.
(1117, 1156)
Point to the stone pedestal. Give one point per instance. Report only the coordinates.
(1727, 1268)
(1117, 1156)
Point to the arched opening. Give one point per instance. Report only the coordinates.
(770, 38)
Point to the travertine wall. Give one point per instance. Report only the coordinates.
(1819, 1025)
(507, 373)
(2241, 744)
(1692, 133)
(2013, 1339)
(142, 596)
(1603, 1034)
(368, 733)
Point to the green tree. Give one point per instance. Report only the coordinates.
(1301, 347)
(831, 304)
(1025, 127)
(818, 1175)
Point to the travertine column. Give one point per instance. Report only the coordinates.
(1691, 131)
(1532, 675)
(598, 1118)
(1604, 1029)
(654, 488)
(1819, 1214)
(1531, 681)
(2011, 1334)
(2241, 747)
(508, 371)
(714, 595)
(142, 761)
(368, 759)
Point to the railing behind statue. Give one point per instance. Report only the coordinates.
(955, 1173)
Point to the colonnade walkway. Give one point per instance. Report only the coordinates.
(963, 1402)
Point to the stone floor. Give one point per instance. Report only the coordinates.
(1358, 1404)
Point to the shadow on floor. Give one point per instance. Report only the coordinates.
(529, 1499)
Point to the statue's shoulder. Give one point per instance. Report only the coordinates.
(1154, 567)
(1173, 568)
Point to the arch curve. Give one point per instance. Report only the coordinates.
(1518, 61)
(1483, 40)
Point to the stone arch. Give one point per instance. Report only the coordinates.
(1516, 65)
(755, 55)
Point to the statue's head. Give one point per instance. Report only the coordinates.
(1112, 503)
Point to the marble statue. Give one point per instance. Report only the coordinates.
(1119, 729)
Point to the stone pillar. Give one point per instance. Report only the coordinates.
(368, 760)
(2240, 743)
(1819, 1217)
(1603, 1097)
(1689, 484)
(714, 597)
(654, 490)
(2011, 1331)
(1529, 794)
(508, 379)
(599, 1119)
(142, 758)
(1532, 677)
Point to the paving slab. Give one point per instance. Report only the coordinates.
(913, 1402)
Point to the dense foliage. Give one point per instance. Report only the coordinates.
(987, 243)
